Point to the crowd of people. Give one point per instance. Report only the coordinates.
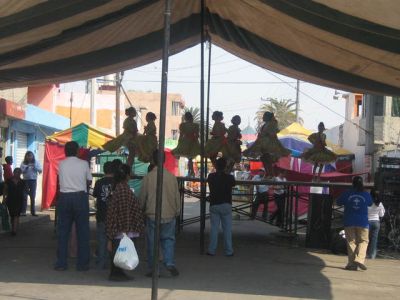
(120, 212)
(16, 185)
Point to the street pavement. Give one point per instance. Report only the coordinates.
(266, 265)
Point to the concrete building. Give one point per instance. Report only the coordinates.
(371, 129)
(76, 106)
(26, 119)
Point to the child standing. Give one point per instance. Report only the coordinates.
(232, 152)
(14, 197)
(102, 192)
(147, 143)
(318, 154)
(188, 143)
(218, 141)
(127, 138)
(7, 168)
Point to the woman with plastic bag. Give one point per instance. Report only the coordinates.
(124, 219)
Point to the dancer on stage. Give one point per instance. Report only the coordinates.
(127, 138)
(218, 140)
(318, 154)
(147, 143)
(267, 146)
(188, 143)
(232, 151)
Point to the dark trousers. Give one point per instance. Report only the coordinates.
(261, 198)
(73, 207)
(280, 209)
(31, 185)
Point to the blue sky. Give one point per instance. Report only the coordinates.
(236, 87)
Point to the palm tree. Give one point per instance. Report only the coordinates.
(283, 109)
(195, 111)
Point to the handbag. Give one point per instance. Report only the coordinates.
(126, 256)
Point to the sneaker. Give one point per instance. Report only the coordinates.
(210, 254)
(361, 266)
(60, 268)
(172, 270)
(351, 267)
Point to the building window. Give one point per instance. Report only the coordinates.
(359, 107)
(174, 133)
(176, 108)
(395, 106)
(378, 105)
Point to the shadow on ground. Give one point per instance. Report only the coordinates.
(260, 266)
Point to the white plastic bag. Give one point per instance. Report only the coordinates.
(126, 256)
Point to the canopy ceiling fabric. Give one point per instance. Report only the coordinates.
(348, 45)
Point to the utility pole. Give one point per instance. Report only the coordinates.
(117, 103)
(92, 96)
(71, 99)
(297, 99)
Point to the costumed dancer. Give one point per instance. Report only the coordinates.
(218, 140)
(147, 143)
(267, 146)
(232, 151)
(318, 154)
(127, 138)
(188, 143)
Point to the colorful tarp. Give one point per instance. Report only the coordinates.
(88, 137)
(295, 138)
(85, 135)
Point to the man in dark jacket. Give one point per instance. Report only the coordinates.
(221, 185)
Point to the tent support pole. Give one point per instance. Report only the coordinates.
(117, 103)
(208, 89)
(202, 137)
(160, 158)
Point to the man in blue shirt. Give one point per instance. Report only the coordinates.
(356, 202)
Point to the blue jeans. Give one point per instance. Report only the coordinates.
(31, 185)
(73, 207)
(374, 227)
(167, 241)
(102, 253)
(221, 213)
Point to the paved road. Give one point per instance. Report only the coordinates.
(264, 267)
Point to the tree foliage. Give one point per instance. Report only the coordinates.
(283, 109)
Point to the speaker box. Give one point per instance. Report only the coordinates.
(319, 221)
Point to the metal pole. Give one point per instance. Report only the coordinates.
(208, 89)
(297, 99)
(71, 99)
(117, 103)
(160, 158)
(202, 137)
(92, 96)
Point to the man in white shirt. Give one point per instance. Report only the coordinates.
(279, 197)
(73, 206)
(261, 195)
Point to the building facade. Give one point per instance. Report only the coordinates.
(371, 129)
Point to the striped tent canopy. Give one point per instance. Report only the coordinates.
(85, 135)
(348, 45)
